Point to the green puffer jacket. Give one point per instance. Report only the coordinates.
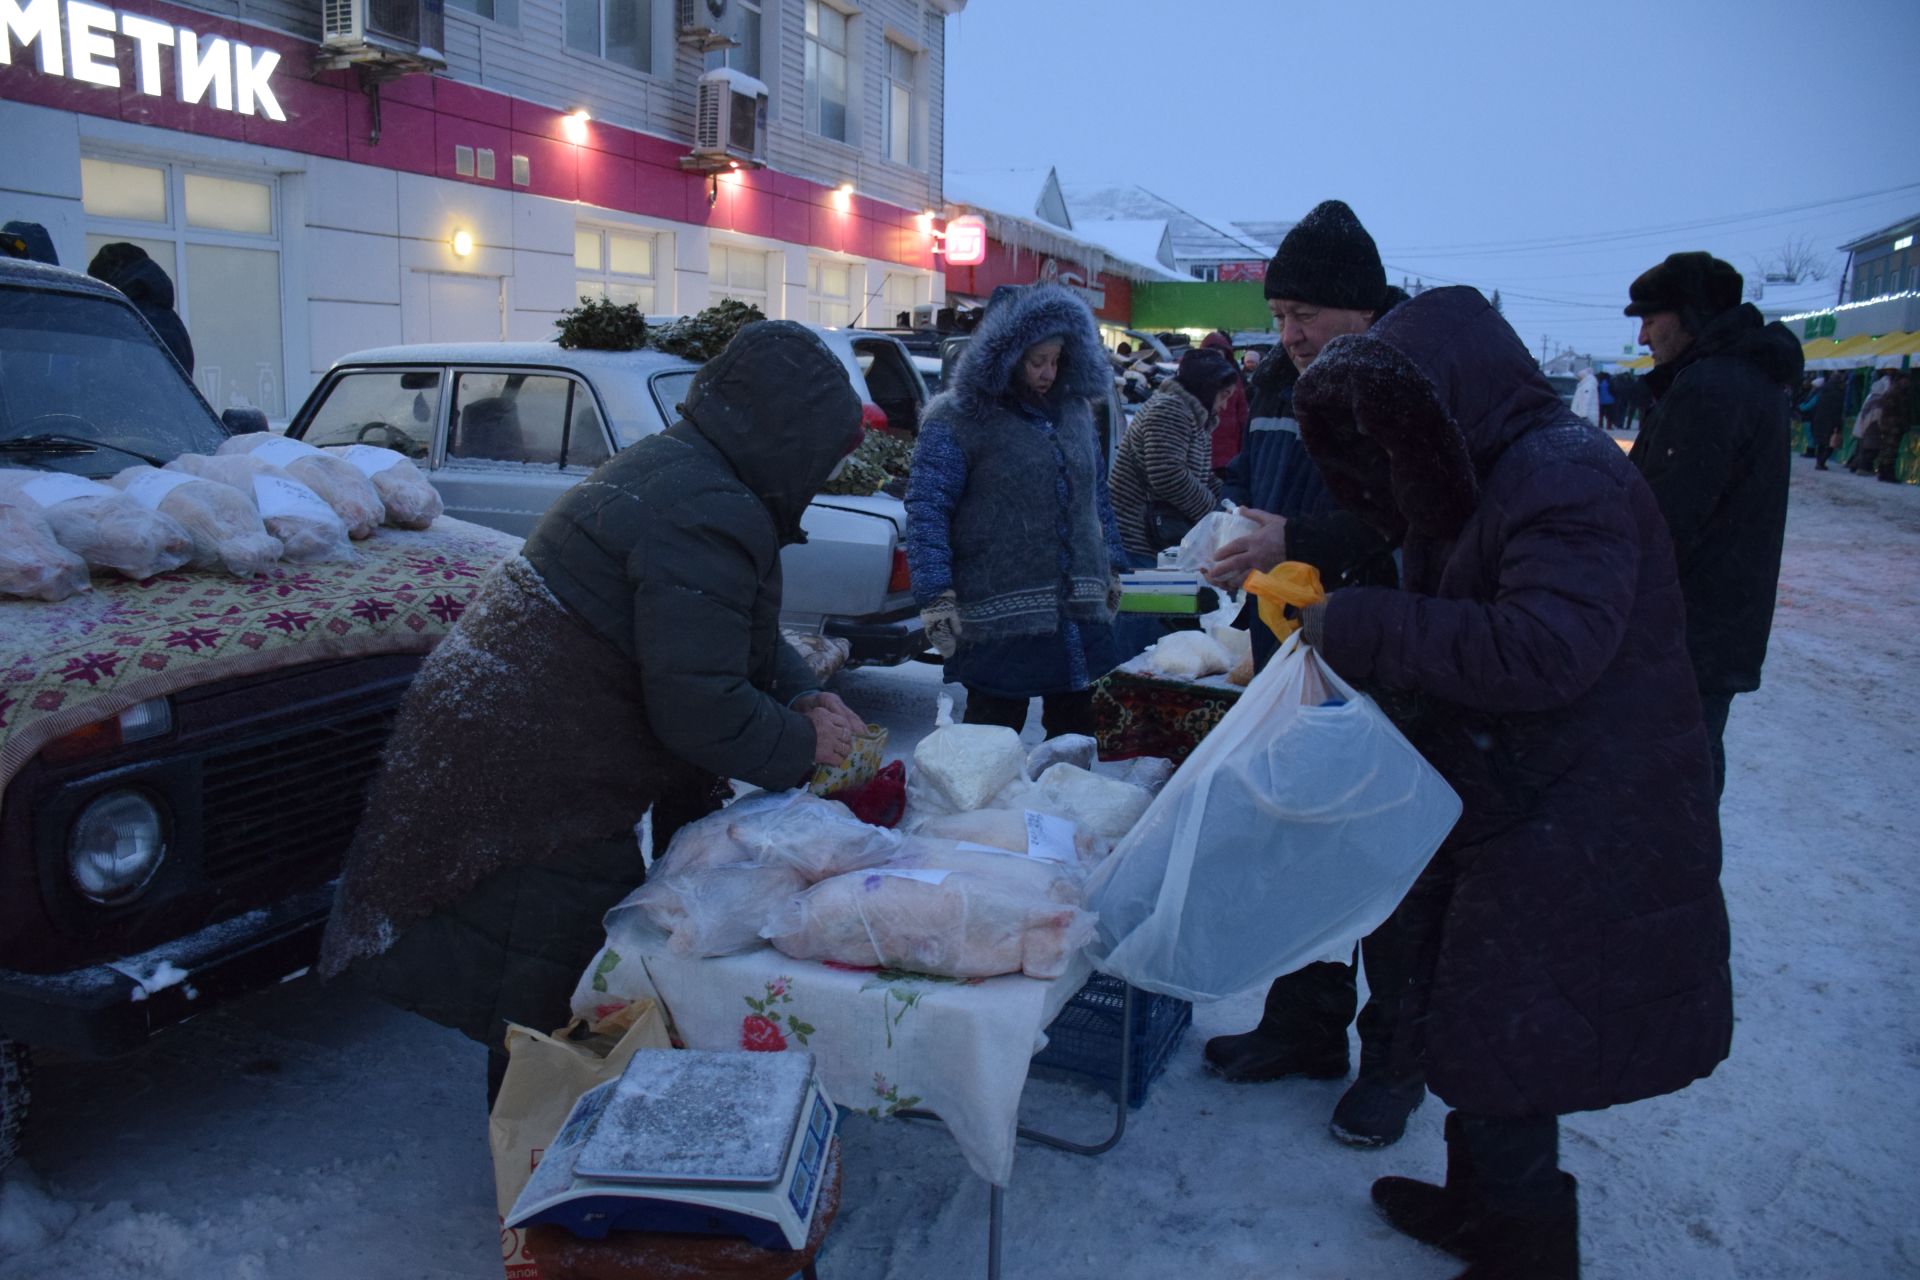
(631, 656)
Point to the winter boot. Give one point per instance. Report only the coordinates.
(1540, 1245)
(1374, 1111)
(1439, 1216)
(1303, 1031)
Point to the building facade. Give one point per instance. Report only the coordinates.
(305, 212)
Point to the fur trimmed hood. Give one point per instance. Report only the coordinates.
(1030, 315)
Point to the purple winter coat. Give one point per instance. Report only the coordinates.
(1572, 932)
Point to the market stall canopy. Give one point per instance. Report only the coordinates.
(1895, 350)
(1636, 365)
(1845, 353)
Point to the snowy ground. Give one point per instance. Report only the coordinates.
(310, 1134)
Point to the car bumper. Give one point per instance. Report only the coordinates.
(884, 641)
(99, 1011)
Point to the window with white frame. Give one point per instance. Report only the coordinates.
(830, 292)
(902, 139)
(618, 30)
(216, 239)
(901, 293)
(746, 55)
(737, 273)
(826, 70)
(616, 265)
(507, 11)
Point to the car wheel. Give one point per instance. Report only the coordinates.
(15, 1082)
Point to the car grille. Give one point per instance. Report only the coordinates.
(291, 800)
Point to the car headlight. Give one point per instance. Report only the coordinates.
(118, 840)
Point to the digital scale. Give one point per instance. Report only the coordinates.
(690, 1141)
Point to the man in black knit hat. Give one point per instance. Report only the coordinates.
(1325, 281)
(1714, 451)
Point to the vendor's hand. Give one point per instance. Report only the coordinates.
(942, 621)
(1257, 552)
(831, 702)
(832, 738)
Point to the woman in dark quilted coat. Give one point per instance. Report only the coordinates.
(1571, 935)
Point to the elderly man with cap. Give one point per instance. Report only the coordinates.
(1325, 281)
(1714, 450)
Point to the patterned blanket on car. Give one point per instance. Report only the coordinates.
(70, 663)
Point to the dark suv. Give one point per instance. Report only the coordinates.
(182, 759)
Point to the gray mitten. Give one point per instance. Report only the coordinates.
(942, 621)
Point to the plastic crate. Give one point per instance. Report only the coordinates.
(1084, 1041)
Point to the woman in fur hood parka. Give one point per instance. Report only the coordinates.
(1011, 540)
(1570, 936)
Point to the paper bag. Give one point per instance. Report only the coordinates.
(546, 1074)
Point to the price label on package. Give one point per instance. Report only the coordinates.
(907, 873)
(52, 490)
(282, 497)
(1049, 838)
(280, 451)
(370, 459)
(151, 489)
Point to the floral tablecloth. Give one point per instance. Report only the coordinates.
(68, 663)
(884, 1040)
(1137, 713)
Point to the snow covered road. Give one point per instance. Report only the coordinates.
(311, 1134)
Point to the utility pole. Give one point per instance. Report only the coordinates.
(1543, 350)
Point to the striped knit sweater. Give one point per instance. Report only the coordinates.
(1166, 456)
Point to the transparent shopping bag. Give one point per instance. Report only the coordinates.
(1290, 833)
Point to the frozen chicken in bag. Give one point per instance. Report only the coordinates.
(222, 521)
(101, 525)
(33, 564)
(338, 482)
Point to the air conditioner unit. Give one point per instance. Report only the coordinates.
(697, 19)
(409, 31)
(730, 118)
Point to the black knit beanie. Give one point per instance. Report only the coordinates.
(1328, 260)
(1203, 371)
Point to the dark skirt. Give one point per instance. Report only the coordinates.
(1067, 661)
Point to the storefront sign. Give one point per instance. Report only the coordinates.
(966, 238)
(227, 74)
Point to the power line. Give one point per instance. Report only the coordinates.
(1495, 247)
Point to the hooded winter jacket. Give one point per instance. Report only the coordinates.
(1572, 932)
(1714, 450)
(128, 268)
(633, 654)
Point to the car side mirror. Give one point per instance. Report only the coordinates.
(243, 421)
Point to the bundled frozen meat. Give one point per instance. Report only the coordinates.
(32, 562)
(308, 529)
(101, 525)
(1105, 806)
(955, 923)
(1188, 655)
(1071, 748)
(712, 910)
(410, 500)
(795, 829)
(1042, 835)
(222, 521)
(338, 482)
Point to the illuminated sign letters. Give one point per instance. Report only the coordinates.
(966, 238)
(236, 76)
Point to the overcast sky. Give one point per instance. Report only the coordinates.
(1465, 135)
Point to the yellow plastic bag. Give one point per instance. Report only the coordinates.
(1290, 583)
(869, 749)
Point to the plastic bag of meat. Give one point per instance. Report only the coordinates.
(1104, 806)
(101, 525)
(222, 521)
(338, 482)
(1072, 748)
(1188, 655)
(712, 911)
(308, 529)
(1040, 835)
(1054, 880)
(957, 924)
(816, 837)
(411, 501)
(33, 564)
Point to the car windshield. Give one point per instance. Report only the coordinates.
(79, 368)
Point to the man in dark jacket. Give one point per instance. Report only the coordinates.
(1715, 453)
(128, 268)
(1829, 416)
(631, 660)
(1571, 935)
(1325, 280)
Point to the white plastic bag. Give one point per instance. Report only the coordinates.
(712, 910)
(1072, 748)
(814, 836)
(967, 764)
(1104, 806)
(1188, 655)
(1214, 530)
(1290, 833)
